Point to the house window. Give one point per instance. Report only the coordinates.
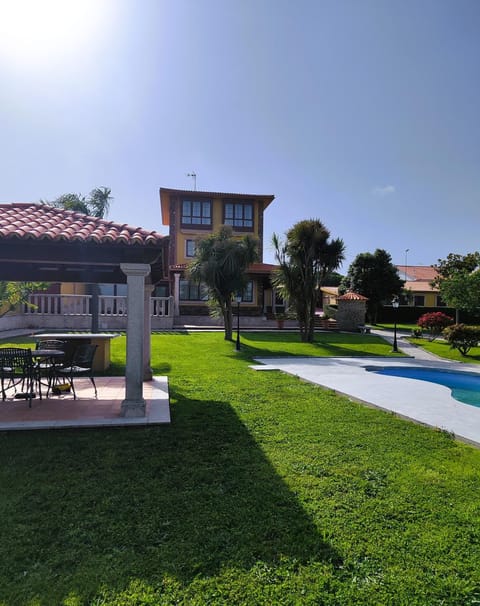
(247, 295)
(239, 215)
(192, 291)
(196, 213)
(189, 248)
(440, 302)
(419, 300)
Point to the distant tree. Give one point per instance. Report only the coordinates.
(374, 276)
(333, 278)
(13, 294)
(458, 281)
(220, 263)
(305, 258)
(96, 205)
(99, 201)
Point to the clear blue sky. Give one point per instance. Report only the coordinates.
(364, 114)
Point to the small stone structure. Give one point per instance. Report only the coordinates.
(351, 312)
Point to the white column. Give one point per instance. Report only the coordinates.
(176, 294)
(134, 404)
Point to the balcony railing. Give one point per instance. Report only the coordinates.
(80, 305)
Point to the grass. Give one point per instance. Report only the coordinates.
(263, 490)
(442, 349)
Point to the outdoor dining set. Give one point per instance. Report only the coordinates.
(49, 369)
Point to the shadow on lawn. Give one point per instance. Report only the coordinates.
(103, 508)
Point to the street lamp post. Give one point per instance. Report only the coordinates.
(395, 304)
(238, 299)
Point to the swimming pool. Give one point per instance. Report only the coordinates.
(465, 386)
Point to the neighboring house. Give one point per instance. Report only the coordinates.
(329, 295)
(419, 292)
(418, 289)
(193, 215)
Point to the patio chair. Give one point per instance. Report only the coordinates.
(47, 367)
(81, 365)
(18, 369)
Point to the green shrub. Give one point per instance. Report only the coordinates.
(462, 337)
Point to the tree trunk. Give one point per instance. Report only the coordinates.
(228, 320)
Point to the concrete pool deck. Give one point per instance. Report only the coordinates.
(420, 401)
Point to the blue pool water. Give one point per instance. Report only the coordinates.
(465, 386)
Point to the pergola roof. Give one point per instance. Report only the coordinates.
(39, 242)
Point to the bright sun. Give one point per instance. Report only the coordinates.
(35, 31)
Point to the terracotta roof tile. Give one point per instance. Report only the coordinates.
(419, 286)
(417, 272)
(25, 221)
(352, 296)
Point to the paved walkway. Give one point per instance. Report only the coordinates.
(60, 412)
(408, 348)
(421, 401)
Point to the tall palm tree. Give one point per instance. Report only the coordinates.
(304, 259)
(220, 264)
(99, 202)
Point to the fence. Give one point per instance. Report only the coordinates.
(75, 311)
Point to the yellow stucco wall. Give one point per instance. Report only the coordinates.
(72, 288)
(217, 221)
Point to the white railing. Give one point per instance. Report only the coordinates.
(62, 305)
(112, 306)
(80, 305)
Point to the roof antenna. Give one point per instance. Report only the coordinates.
(194, 177)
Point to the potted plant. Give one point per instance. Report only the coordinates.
(280, 318)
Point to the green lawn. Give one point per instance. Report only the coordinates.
(263, 490)
(442, 348)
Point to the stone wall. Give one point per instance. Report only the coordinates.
(351, 314)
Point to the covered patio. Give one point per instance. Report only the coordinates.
(60, 412)
(42, 243)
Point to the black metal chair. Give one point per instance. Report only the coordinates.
(81, 365)
(47, 367)
(18, 369)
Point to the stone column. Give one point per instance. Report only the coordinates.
(134, 405)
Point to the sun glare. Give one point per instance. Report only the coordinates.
(36, 31)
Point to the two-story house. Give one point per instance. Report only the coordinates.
(193, 215)
(419, 291)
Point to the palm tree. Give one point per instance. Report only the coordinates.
(75, 202)
(96, 205)
(304, 259)
(220, 264)
(99, 202)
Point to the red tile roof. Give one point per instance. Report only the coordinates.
(417, 272)
(419, 286)
(262, 268)
(24, 221)
(352, 296)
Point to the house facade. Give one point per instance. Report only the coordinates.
(193, 215)
(418, 289)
